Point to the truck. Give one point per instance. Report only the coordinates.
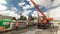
(43, 23)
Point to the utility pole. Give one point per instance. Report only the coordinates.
(20, 14)
(48, 14)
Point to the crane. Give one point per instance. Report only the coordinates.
(44, 23)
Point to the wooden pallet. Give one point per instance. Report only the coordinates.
(3, 29)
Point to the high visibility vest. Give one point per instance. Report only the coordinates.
(17, 24)
(26, 23)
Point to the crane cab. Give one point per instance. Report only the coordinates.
(44, 23)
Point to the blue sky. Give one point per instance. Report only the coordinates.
(15, 7)
(15, 3)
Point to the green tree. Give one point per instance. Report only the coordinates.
(22, 18)
(13, 18)
(31, 17)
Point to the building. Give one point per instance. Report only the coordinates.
(5, 17)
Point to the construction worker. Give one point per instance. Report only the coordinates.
(16, 24)
(27, 23)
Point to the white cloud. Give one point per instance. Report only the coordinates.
(13, 14)
(44, 3)
(14, 9)
(3, 2)
(28, 0)
(31, 5)
(56, 2)
(26, 12)
(2, 7)
(55, 13)
(27, 7)
(21, 4)
(35, 13)
(3, 10)
(10, 13)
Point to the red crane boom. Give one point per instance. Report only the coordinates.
(44, 22)
(37, 7)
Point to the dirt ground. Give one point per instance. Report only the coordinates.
(33, 30)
